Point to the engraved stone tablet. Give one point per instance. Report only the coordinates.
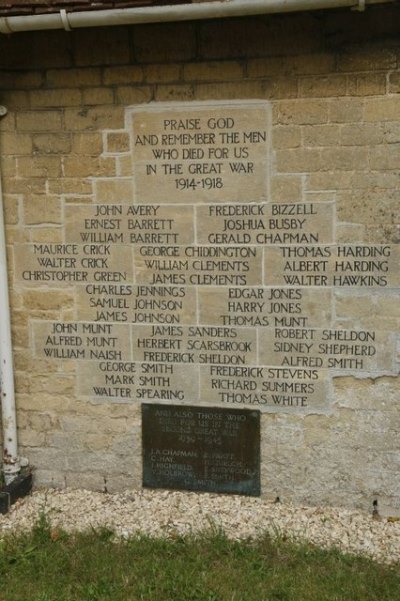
(201, 449)
(187, 280)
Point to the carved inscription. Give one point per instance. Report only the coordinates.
(197, 448)
(210, 153)
(196, 287)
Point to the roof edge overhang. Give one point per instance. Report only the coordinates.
(169, 13)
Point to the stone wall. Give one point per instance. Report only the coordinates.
(330, 82)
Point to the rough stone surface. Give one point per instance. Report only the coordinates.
(331, 81)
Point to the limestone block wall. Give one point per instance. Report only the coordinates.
(329, 82)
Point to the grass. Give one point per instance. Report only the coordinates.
(49, 565)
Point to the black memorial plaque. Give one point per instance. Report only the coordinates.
(201, 449)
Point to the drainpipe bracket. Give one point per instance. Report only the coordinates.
(4, 26)
(3, 111)
(65, 20)
(360, 7)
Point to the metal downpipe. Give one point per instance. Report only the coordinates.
(10, 461)
(167, 13)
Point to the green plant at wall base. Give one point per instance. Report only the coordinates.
(50, 565)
